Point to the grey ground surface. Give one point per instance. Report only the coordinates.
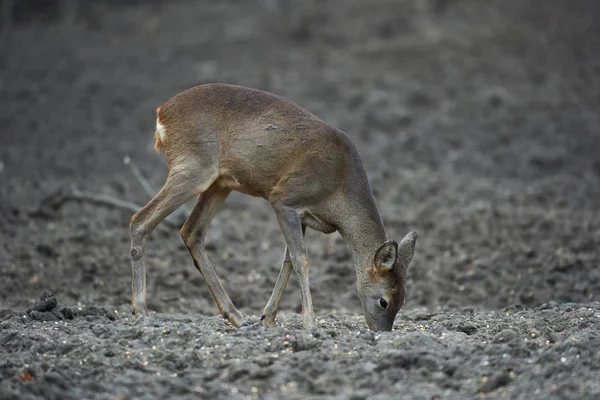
(478, 125)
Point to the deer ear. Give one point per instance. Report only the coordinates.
(406, 249)
(386, 255)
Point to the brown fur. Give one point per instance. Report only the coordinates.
(220, 138)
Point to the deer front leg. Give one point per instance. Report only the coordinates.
(272, 307)
(193, 234)
(290, 223)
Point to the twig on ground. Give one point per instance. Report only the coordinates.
(138, 175)
(173, 220)
(76, 194)
(54, 201)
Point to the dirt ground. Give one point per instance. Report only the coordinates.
(478, 124)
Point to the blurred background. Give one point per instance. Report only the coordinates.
(478, 123)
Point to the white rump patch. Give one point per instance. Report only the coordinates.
(160, 128)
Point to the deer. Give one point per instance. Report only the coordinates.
(219, 138)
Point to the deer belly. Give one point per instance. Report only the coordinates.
(232, 183)
(312, 221)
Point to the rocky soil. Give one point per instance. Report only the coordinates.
(478, 124)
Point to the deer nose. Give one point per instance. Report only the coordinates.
(384, 324)
(380, 325)
(385, 327)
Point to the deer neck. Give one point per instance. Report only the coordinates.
(363, 233)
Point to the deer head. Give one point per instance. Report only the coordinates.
(382, 287)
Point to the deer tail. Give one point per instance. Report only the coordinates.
(159, 135)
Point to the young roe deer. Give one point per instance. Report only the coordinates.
(218, 138)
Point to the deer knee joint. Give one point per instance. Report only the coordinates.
(136, 253)
(190, 239)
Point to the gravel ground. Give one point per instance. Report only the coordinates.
(478, 126)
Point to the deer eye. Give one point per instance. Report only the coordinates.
(383, 303)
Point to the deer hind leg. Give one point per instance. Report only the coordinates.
(193, 234)
(177, 190)
(272, 307)
(290, 223)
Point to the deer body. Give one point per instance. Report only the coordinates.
(218, 138)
